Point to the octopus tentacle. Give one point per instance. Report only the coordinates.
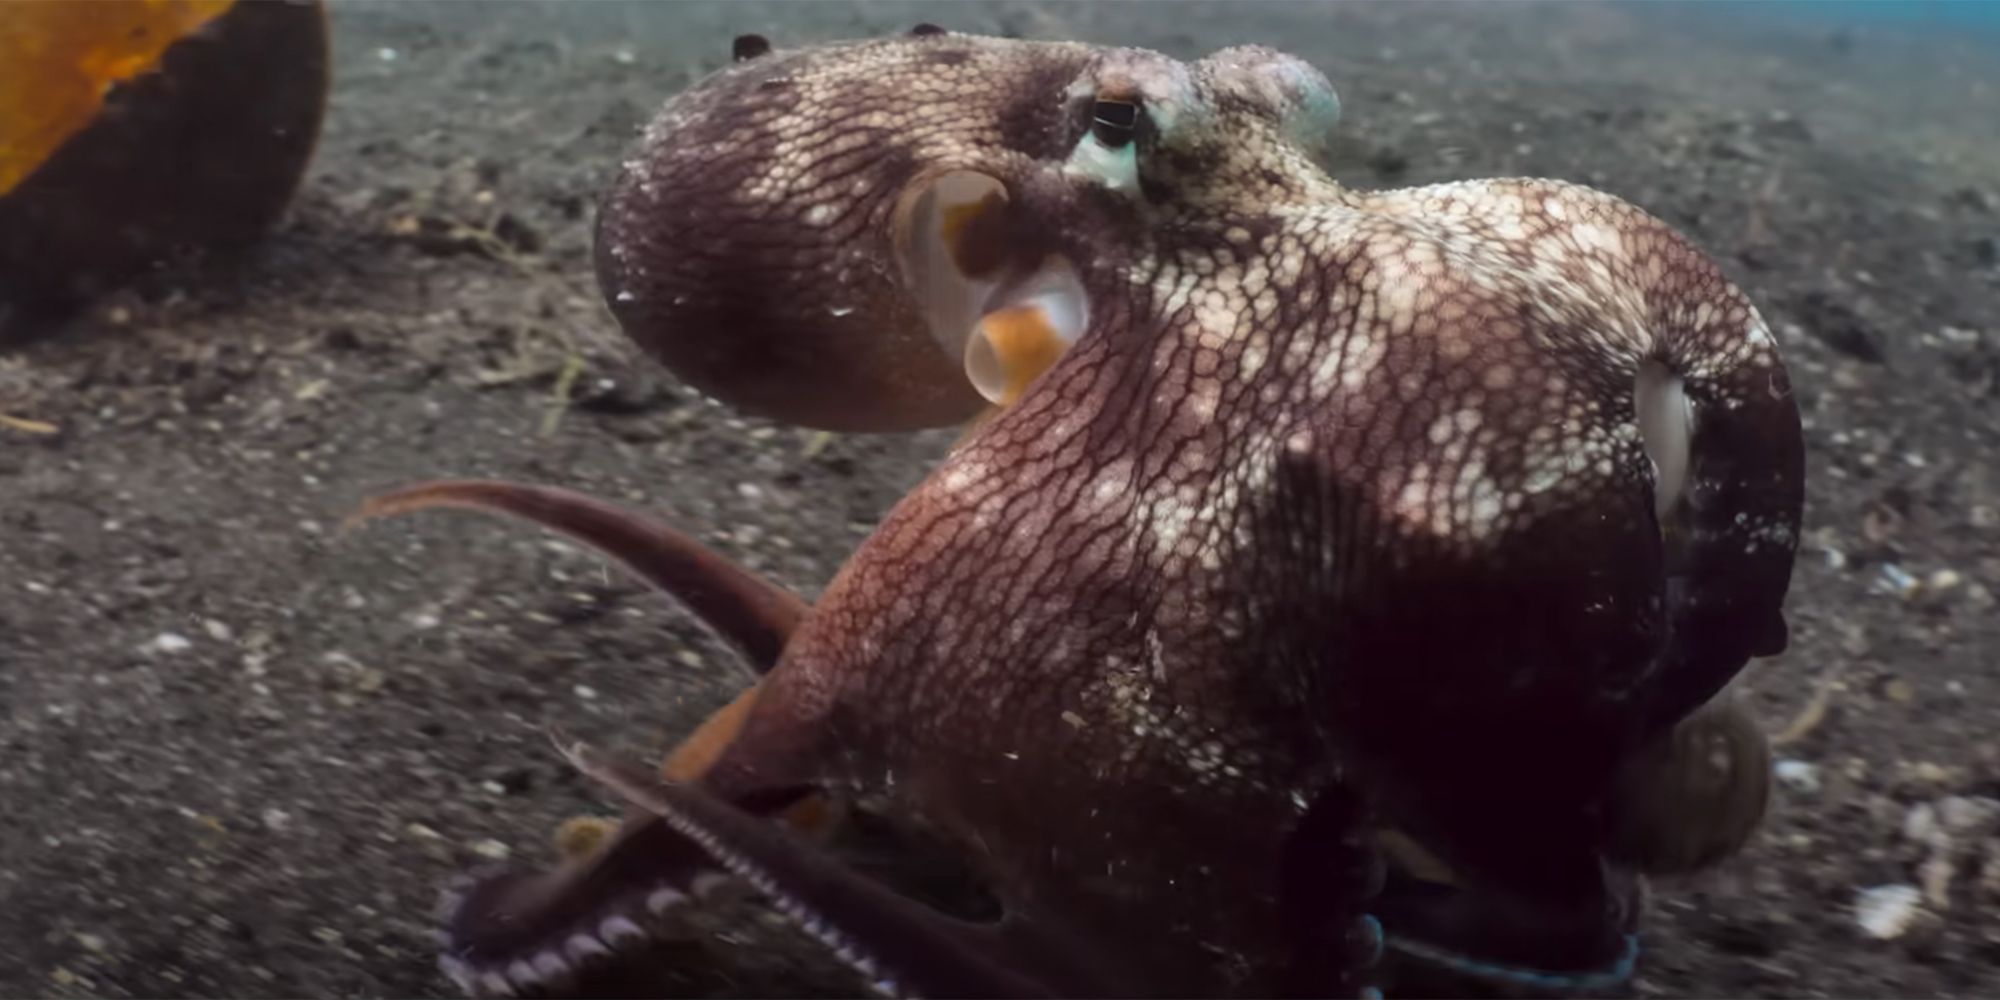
(905, 948)
(515, 930)
(754, 614)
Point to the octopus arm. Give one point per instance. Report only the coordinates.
(904, 947)
(754, 614)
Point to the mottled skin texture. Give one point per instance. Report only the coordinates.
(1337, 516)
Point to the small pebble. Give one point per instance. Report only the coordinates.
(1897, 581)
(91, 943)
(1886, 911)
(1963, 814)
(491, 849)
(1798, 775)
(167, 642)
(1920, 823)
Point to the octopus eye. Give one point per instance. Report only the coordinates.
(927, 30)
(1114, 123)
(747, 47)
(1109, 154)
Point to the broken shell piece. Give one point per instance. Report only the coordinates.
(1885, 912)
(1798, 775)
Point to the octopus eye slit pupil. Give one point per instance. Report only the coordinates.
(926, 30)
(1114, 123)
(747, 47)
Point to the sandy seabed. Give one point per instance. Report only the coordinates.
(240, 753)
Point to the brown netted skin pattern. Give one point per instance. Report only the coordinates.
(1337, 486)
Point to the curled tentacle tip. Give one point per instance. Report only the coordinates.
(1695, 798)
(405, 500)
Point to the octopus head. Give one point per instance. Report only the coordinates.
(813, 236)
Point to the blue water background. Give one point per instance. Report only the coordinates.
(1980, 16)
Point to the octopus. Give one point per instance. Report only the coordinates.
(1332, 591)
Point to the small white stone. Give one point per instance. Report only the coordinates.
(219, 631)
(1886, 911)
(491, 849)
(167, 642)
(1798, 775)
(585, 692)
(1968, 814)
(1898, 581)
(1920, 824)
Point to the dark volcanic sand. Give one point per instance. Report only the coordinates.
(242, 751)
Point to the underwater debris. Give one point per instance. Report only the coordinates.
(1886, 912)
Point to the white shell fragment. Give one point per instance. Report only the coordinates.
(1798, 775)
(1886, 911)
